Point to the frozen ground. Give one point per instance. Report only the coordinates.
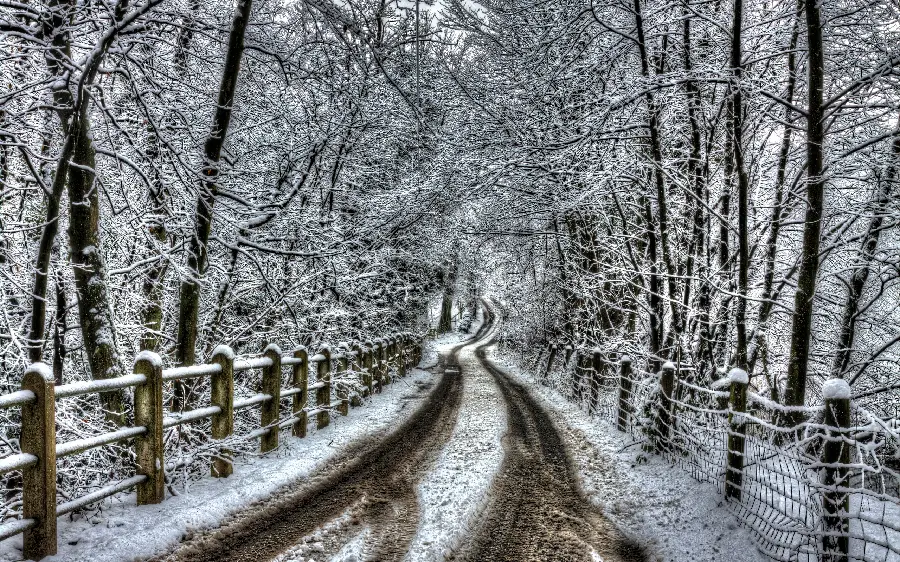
(676, 517)
(125, 531)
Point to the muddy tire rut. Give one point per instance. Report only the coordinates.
(374, 483)
(537, 511)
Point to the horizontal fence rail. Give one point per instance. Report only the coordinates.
(825, 489)
(375, 363)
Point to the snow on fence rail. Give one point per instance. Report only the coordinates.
(823, 489)
(40, 451)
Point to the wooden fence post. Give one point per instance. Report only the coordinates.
(577, 376)
(664, 412)
(597, 367)
(377, 351)
(357, 363)
(222, 395)
(148, 413)
(389, 360)
(323, 392)
(624, 393)
(835, 459)
(401, 354)
(39, 480)
(270, 409)
(385, 362)
(300, 379)
(368, 377)
(343, 365)
(737, 433)
(551, 357)
(420, 351)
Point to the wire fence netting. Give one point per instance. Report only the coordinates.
(797, 506)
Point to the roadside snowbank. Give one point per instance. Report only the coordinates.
(676, 517)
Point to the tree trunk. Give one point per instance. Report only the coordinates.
(768, 296)
(53, 31)
(189, 301)
(737, 120)
(866, 255)
(695, 178)
(662, 219)
(94, 306)
(795, 389)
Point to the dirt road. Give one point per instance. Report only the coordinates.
(375, 484)
(537, 512)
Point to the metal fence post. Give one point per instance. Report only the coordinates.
(270, 409)
(300, 379)
(222, 395)
(624, 393)
(148, 413)
(835, 459)
(737, 433)
(39, 480)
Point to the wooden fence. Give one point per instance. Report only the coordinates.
(38, 395)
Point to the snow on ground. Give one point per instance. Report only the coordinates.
(125, 531)
(312, 545)
(662, 507)
(454, 493)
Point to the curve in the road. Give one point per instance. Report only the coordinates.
(537, 511)
(377, 481)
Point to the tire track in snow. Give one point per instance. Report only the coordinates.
(537, 511)
(377, 480)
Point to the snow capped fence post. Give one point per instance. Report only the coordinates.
(577, 376)
(597, 367)
(299, 379)
(343, 365)
(391, 357)
(377, 353)
(271, 385)
(624, 392)
(148, 413)
(39, 480)
(569, 350)
(222, 395)
(323, 386)
(357, 351)
(387, 350)
(367, 367)
(401, 354)
(664, 412)
(551, 357)
(420, 344)
(737, 433)
(835, 459)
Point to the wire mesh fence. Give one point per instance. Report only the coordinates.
(810, 488)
